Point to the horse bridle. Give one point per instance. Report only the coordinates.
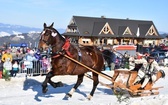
(47, 42)
(42, 35)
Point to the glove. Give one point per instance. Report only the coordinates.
(147, 76)
(147, 72)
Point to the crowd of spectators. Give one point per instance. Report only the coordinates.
(22, 60)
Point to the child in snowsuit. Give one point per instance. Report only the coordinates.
(7, 67)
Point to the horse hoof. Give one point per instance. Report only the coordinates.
(45, 90)
(60, 84)
(89, 97)
(68, 95)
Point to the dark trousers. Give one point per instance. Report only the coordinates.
(29, 71)
(14, 72)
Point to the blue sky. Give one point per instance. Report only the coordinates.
(34, 13)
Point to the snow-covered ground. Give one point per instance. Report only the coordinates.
(27, 91)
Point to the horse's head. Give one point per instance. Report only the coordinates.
(48, 37)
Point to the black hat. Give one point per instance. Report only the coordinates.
(151, 56)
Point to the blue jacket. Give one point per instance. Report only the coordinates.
(29, 61)
(113, 57)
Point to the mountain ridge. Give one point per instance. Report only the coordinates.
(8, 29)
(14, 34)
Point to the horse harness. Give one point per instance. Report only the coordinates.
(65, 50)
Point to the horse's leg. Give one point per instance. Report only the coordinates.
(79, 81)
(95, 83)
(53, 84)
(48, 80)
(44, 84)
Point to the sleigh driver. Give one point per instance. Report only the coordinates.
(148, 71)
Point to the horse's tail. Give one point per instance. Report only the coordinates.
(107, 56)
(98, 58)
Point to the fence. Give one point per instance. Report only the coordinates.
(32, 68)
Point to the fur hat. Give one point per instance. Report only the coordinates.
(31, 52)
(151, 56)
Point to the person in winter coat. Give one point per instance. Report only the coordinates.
(15, 69)
(1, 68)
(45, 65)
(7, 55)
(29, 62)
(148, 71)
(113, 59)
(7, 67)
(37, 55)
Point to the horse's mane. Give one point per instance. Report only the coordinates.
(61, 36)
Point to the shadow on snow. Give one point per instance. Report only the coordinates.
(35, 86)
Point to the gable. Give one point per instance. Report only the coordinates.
(152, 31)
(148, 31)
(106, 30)
(72, 27)
(127, 31)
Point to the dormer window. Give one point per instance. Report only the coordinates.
(86, 32)
(127, 31)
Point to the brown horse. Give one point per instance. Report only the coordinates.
(90, 56)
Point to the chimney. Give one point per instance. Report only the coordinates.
(103, 16)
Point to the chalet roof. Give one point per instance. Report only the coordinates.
(92, 26)
(71, 34)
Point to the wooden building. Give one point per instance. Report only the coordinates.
(109, 31)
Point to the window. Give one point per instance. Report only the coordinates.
(86, 32)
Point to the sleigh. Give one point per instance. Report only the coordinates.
(123, 79)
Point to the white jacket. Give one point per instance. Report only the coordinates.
(7, 65)
(154, 68)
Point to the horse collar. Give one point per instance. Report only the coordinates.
(65, 48)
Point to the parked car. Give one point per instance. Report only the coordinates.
(165, 51)
(161, 58)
